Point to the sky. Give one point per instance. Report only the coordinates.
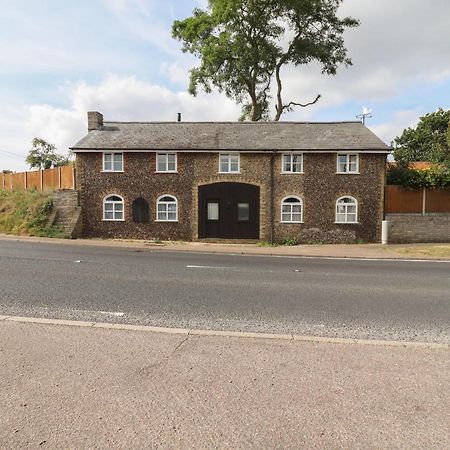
(60, 59)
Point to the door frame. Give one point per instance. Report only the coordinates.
(263, 226)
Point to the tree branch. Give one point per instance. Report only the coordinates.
(303, 105)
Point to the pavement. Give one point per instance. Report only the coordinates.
(344, 298)
(81, 387)
(358, 251)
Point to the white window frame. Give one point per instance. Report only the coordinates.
(114, 203)
(347, 155)
(284, 203)
(229, 154)
(166, 154)
(291, 154)
(355, 203)
(166, 212)
(112, 162)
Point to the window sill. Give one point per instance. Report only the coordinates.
(292, 173)
(229, 173)
(113, 220)
(166, 221)
(113, 171)
(346, 223)
(348, 173)
(165, 171)
(283, 221)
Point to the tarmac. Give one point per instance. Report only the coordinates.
(66, 384)
(351, 251)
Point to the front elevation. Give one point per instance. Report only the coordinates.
(255, 181)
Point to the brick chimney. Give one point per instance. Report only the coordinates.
(95, 120)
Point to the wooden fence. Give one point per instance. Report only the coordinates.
(416, 201)
(41, 180)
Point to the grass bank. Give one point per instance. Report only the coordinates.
(27, 213)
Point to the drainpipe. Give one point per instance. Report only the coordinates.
(272, 194)
(384, 222)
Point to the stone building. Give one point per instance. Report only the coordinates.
(315, 182)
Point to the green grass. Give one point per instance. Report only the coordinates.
(27, 213)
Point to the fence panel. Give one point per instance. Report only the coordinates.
(437, 201)
(50, 179)
(18, 181)
(2, 180)
(401, 200)
(8, 180)
(67, 177)
(34, 180)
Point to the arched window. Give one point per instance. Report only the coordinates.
(140, 211)
(346, 210)
(167, 207)
(292, 210)
(113, 208)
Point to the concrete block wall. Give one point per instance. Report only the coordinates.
(414, 228)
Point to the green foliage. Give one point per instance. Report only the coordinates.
(289, 241)
(434, 177)
(43, 155)
(27, 212)
(429, 141)
(243, 45)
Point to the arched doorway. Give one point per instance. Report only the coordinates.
(228, 211)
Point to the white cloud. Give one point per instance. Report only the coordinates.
(400, 120)
(122, 99)
(398, 45)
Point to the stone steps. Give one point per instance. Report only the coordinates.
(67, 212)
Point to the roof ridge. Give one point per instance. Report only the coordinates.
(233, 122)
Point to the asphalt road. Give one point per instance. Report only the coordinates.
(394, 300)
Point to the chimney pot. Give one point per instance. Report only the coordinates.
(179, 117)
(95, 120)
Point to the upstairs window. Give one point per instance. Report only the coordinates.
(347, 163)
(112, 162)
(113, 208)
(346, 210)
(166, 162)
(167, 207)
(292, 163)
(229, 163)
(292, 210)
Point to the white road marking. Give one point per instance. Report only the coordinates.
(207, 267)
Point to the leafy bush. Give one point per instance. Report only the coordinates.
(289, 241)
(434, 177)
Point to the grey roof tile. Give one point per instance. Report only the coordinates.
(239, 136)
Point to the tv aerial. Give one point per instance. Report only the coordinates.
(366, 114)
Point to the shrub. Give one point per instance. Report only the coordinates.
(289, 241)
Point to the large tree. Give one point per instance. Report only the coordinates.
(428, 141)
(243, 45)
(43, 155)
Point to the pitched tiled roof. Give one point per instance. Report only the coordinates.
(241, 136)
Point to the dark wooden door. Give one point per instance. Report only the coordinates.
(229, 211)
